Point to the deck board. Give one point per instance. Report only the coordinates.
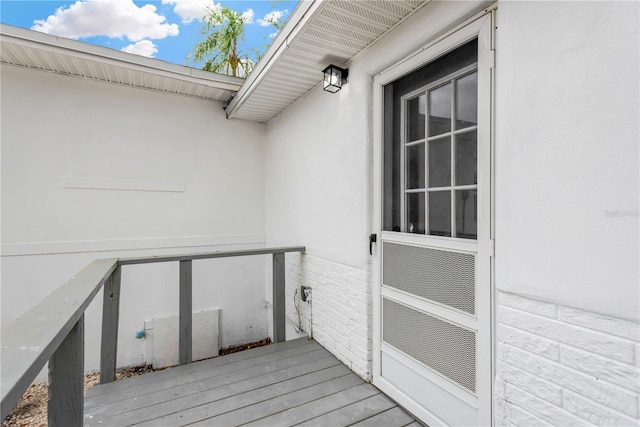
(394, 417)
(281, 384)
(214, 400)
(353, 413)
(244, 380)
(316, 408)
(123, 390)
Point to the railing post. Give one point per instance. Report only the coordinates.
(278, 298)
(66, 380)
(186, 313)
(110, 316)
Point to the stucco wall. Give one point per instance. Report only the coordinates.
(58, 129)
(566, 194)
(567, 132)
(566, 169)
(319, 186)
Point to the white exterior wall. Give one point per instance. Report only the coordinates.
(567, 132)
(567, 154)
(56, 127)
(317, 195)
(319, 189)
(566, 199)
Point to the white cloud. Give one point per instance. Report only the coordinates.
(191, 10)
(143, 47)
(112, 18)
(247, 16)
(272, 17)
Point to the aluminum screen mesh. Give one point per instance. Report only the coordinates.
(441, 276)
(446, 348)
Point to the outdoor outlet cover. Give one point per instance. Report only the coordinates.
(305, 292)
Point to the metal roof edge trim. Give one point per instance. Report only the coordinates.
(105, 55)
(302, 14)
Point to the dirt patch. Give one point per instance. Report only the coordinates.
(31, 410)
(237, 348)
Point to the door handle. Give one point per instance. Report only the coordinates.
(373, 237)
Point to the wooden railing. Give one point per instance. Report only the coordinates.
(53, 330)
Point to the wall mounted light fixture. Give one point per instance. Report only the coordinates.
(334, 78)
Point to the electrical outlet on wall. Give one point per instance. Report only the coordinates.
(305, 293)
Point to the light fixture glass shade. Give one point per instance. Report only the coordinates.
(334, 77)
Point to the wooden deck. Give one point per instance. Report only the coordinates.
(292, 383)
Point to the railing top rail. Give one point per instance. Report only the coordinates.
(28, 342)
(208, 255)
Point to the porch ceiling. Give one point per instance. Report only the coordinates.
(31, 49)
(317, 34)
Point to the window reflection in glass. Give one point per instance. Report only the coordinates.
(467, 101)
(421, 111)
(440, 162)
(415, 213)
(415, 118)
(440, 213)
(440, 110)
(467, 214)
(466, 158)
(415, 166)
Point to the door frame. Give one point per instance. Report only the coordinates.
(482, 26)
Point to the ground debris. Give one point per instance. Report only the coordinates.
(237, 348)
(31, 409)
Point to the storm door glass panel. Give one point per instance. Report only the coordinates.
(440, 110)
(466, 158)
(465, 204)
(429, 156)
(415, 166)
(440, 213)
(467, 214)
(415, 119)
(467, 101)
(440, 162)
(415, 213)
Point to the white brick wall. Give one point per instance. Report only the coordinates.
(558, 365)
(341, 307)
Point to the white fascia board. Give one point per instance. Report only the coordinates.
(81, 50)
(301, 15)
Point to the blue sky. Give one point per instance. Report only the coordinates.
(162, 29)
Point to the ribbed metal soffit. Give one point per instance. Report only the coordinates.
(29, 49)
(338, 30)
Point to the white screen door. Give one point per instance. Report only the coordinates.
(432, 299)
